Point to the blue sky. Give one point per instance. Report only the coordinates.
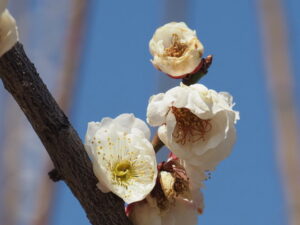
(116, 77)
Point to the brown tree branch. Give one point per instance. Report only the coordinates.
(61, 141)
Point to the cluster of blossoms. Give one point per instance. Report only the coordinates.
(195, 123)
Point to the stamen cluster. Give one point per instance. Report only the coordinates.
(189, 128)
(177, 47)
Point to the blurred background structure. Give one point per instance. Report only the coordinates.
(93, 56)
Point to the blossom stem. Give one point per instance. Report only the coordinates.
(195, 77)
(157, 143)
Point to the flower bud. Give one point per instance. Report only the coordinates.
(176, 50)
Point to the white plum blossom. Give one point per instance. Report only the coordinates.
(195, 123)
(8, 29)
(176, 50)
(192, 194)
(171, 202)
(181, 212)
(186, 181)
(123, 158)
(141, 213)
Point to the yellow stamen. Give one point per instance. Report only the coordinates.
(122, 172)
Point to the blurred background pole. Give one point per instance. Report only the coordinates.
(174, 11)
(66, 85)
(52, 36)
(280, 80)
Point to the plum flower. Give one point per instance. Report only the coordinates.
(181, 212)
(123, 158)
(171, 202)
(195, 123)
(176, 50)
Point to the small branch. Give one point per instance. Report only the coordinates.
(61, 141)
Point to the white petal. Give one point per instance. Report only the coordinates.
(143, 214)
(91, 130)
(195, 174)
(127, 122)
(8, 32)
(168, 218)
(163, 135)
(214, 156)
(157, 110)
(183, 212)
(198, 200)
(215, 136)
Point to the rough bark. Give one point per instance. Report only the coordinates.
(61, 141)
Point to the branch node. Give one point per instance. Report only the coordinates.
(54, 175)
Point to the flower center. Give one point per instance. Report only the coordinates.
(189, 128)
(177, 48)
(122, 170)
